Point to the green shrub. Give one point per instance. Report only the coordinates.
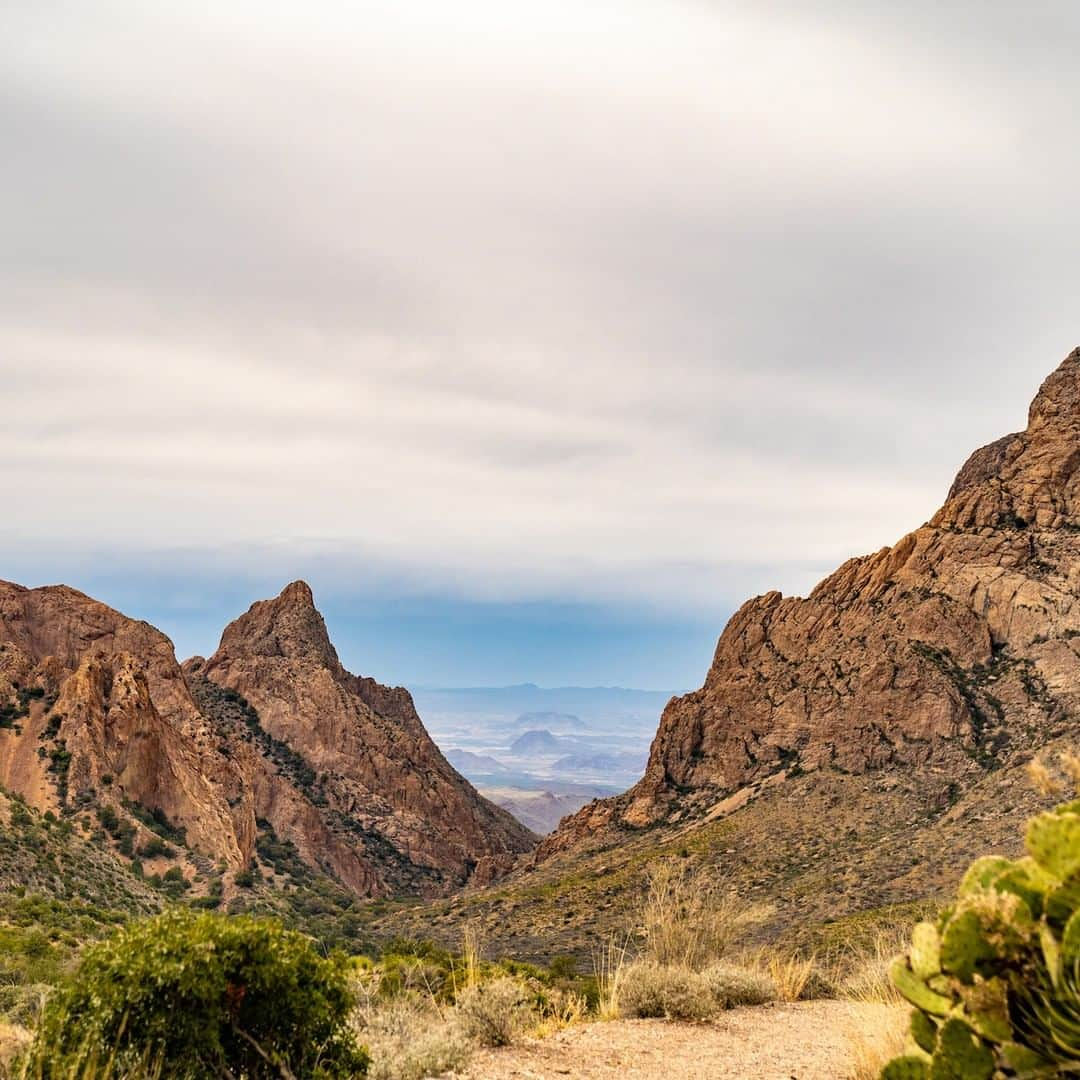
(409, 1040)
(207, 996)
(996, 980)
(658, 991)
(734, 986)
(154, 847)
(494, 1013)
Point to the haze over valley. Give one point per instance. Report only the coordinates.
(539, 540)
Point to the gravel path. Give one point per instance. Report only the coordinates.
(807, 1041)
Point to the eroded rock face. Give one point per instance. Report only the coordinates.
(101, 702)
(271, 733)
(956, 649)
(370, 764)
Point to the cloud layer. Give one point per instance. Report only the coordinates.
(651, 303)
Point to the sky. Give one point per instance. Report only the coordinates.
(537, 337)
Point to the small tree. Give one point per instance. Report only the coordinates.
(204, 996)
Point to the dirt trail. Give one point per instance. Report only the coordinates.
(808, 1041)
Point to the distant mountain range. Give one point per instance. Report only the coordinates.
(515, 741)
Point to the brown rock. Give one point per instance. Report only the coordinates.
(381, 778)
(115, 699)
(951, 652)
(270, 730)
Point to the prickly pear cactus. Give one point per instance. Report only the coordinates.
(996, 980)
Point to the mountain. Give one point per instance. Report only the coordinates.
(541, 811)
(856, 748)
(948, 654)
(268, 752)
(466, 762)
(371, 767)
(599, 763)
(531, 743)
(96, 703)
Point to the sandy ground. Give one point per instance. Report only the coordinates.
(806, 1041)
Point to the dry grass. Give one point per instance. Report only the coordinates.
(688, 923)
(93, 1063)
(564, 1010)
(1053, 778)
(791, 975)
(13, 1041)
(610, 963)
(494, 1013)
(873, 1042)
(867, 972)
(472, 956)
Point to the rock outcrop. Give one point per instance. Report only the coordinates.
(269, 738)
(96, 701)
(365, 758)
(949, 654)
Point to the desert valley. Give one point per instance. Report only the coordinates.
(847, 757)
(539, 541)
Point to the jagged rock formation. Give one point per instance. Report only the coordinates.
(94, 701)
(271, 739)
(366, 759)
(949, 654)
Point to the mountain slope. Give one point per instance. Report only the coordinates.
(949, 653)
(372, 768)
(857, 748)
(95, 702)
(97, 718)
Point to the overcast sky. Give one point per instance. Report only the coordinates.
(537, 335)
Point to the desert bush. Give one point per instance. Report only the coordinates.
(13, 1041)
(659, 991)
(732, 986)
(687, 922)
(996, 980)
(207, 996)
(494, 1013)
(409, 1039)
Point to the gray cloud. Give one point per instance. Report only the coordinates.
(652, 300)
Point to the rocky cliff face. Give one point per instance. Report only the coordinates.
(945, 656)
(97, 708)
(364, 756)
(271, 738)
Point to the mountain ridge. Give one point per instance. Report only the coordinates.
(96, 714)
(927, 654)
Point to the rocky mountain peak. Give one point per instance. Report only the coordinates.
(1058, 400)
(289, 626)
(372, 763)
(1032, 477)
(954, 652)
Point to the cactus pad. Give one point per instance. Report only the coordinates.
(1054, 842)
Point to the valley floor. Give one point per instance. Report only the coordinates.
(807, 1041)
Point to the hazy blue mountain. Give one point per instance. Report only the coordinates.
(537, 743)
